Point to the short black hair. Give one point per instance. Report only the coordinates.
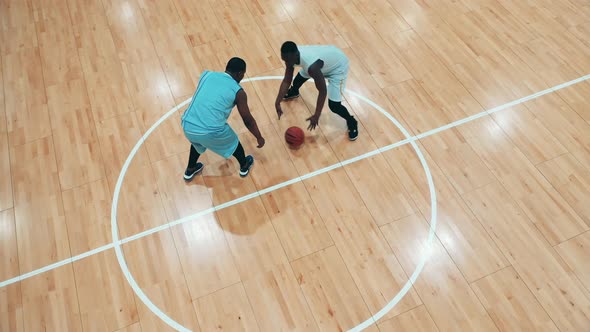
(235, 65)
(288, 47)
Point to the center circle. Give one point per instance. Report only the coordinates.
(172, 323)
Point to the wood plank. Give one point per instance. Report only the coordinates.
(106, 85)
(531, 256)
(172, 45)
(296, 220)
(140, 206)
(382, 17)
(416, 106)
(88, 209)
(446, 294)
(128, 29)
(205, 256)
(381, 129)
(273, 165)
(385, 67)
(87, 15)
(313, 23)
(528, 134)
(576, 97)
(252, 239)
(541, 202)
(117, 136)
(498, 79)
(331, 293)
(38, 207)
(27, 116)
(246, 37)
(215, 54)
(370, 261)
(466, 241)
(6, 199)
(74, 135)
(152, 99)
(545, 60)
(131, 328)
(106, 299)
(15, 13)
(200, 22)
(267, 13)
(565, 124)
(384, 196)
(11, 308)
(575, 252)
(57, 48)
(437, 80)
(180, 199)
(162, 281)
(50, 301)
(9, 262)
(569, 177)
(463, 168)
(417, 319)
(510, 303)
(278, 302)
(227, 309)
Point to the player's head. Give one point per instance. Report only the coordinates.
(290, 53)
(236, 67)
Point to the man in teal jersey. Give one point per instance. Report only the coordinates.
(205, 120)
(319, 62)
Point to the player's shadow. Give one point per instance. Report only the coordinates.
(238, 218)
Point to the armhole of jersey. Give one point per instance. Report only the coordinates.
(202, 80)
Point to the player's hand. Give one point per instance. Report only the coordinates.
(279, 110)
(261, 142)
(313, 121)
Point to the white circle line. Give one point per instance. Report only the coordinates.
(172, 323)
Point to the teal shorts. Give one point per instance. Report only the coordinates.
(223, 142)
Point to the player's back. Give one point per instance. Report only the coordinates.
(335, 60)
(212, 103)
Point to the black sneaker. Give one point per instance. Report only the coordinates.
(192, 171)
(291, 94)
(353, 132)
(244, 170)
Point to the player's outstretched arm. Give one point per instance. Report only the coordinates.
(285, 84)
(249, 121)
(315, 71)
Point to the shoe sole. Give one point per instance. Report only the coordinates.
(289, 98)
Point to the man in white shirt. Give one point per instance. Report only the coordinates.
(319, 62)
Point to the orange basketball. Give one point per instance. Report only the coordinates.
(294, 137)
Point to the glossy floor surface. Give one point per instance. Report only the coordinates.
(83, 80)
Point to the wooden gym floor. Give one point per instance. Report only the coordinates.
(83, 80)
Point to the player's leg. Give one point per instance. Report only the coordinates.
(245, 161)
(193, 167)
(226, 143)
(335, 89)
(297, 83)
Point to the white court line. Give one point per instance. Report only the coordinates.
(171, 322)
(303, 177)
(383, 149)
(280, 185)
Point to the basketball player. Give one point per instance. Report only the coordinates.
(319, 62)
(205, 120)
